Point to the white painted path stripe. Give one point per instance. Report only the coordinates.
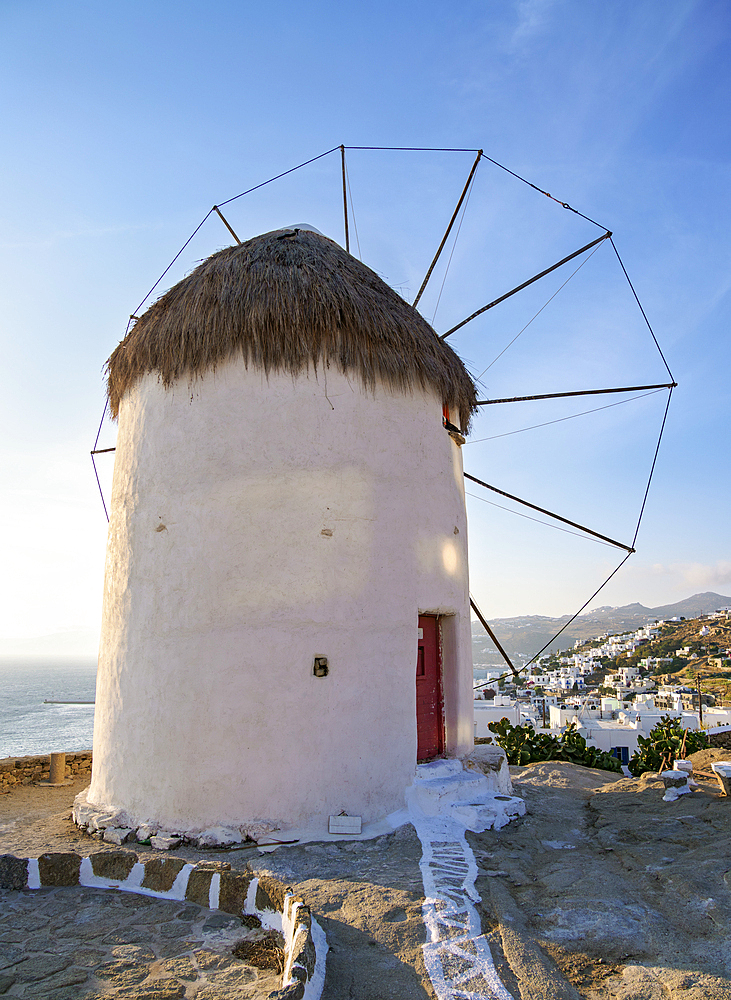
(456, 955)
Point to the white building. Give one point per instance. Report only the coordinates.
(286, 624)
(500, 707)
(655, 662)
(562, 715)
(713, 717)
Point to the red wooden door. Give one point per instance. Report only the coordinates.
(429, 712)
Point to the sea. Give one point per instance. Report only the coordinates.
(30, 722)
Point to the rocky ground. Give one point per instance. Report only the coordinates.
(69, 944)
(601, 891)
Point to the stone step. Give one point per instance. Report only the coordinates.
(494, 812)
(435, 795)
(438, 769)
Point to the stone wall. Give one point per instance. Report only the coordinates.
(209, 884)
(722, 740)
(32, 770)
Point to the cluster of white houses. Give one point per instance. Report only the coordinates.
(614, 723)
(604, 722)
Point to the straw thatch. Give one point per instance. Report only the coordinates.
(282, 302)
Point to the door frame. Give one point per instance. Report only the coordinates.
(439, 689)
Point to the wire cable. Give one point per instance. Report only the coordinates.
(414, 149)
(93, 460)
(523, 285)
(454, 246)
(278, 176)
(98, 483)
(494, 680)
(484, 156)
(562, 629)
(574, 617)
(563, 204)
(352, 212)
(644, 314)
(548, 513)
(194, 233)
(98, 433)
(652, 469)
(538, 520)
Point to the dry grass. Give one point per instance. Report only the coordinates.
(263, 953)
(286, 301)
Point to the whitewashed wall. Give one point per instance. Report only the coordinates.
(256, 523)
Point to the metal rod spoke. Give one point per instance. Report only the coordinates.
(557, 517)
(581, 392)
(345, 201)
(218, 211)
(494, 638)
(449, 229)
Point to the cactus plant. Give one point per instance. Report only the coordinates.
(523, 745)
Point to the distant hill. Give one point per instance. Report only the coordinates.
(522, 637)
(693, 606)
(81, 645)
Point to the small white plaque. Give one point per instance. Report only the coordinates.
(421, 633)
(345, 824)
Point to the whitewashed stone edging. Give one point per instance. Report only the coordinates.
(209, 884)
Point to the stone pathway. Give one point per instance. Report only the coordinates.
(81, 943)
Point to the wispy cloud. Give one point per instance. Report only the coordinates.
(61, 236)
(532, 17)
(688, 576)
(704, 575)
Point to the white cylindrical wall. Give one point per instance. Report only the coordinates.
(256, 523)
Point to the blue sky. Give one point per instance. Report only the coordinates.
(123, 124)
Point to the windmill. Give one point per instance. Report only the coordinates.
(218, 378)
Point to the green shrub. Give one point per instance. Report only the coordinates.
(523, 745)
(664, 742)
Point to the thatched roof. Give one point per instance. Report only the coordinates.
(284, 301)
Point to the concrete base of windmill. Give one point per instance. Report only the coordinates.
(476, 793)
(99, 820)
(108, 823)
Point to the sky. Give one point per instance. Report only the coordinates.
(122, 124)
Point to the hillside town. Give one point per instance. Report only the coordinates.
(616, 688)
